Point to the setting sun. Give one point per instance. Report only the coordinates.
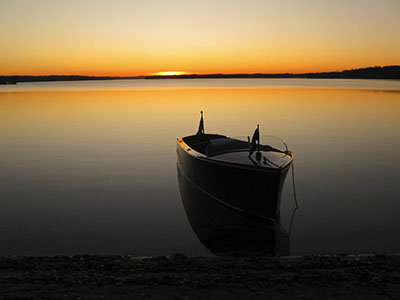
(169, 73)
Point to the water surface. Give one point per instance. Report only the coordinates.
(90, 167)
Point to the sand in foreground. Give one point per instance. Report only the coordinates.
(180, 277)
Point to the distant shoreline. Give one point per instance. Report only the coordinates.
(387, 72)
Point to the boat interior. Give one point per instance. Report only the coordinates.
(221, 147)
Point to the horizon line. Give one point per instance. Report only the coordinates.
(183, 74)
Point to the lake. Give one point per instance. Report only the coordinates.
(90, 166)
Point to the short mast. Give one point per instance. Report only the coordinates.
(258, 154)
(255, 141)
(201, 125)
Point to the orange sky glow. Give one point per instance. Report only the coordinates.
(130, 38)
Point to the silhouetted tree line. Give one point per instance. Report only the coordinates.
(388, 72)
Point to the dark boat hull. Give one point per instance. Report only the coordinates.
(228, 232)
(253, 190)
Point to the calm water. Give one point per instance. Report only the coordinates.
(90, 167)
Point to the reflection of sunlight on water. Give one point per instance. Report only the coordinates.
(141, 84)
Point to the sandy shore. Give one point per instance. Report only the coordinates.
(180, 277)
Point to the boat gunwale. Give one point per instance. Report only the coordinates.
(198, 155)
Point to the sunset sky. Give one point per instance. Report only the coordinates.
(141, 37)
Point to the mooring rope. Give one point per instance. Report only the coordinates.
(295, 200)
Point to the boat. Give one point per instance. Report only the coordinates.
(241, 175)
(227, 232)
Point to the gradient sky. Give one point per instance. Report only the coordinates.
(139, 37)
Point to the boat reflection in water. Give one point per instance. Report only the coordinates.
(229, 232)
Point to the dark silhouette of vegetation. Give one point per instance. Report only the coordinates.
(387, 72)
